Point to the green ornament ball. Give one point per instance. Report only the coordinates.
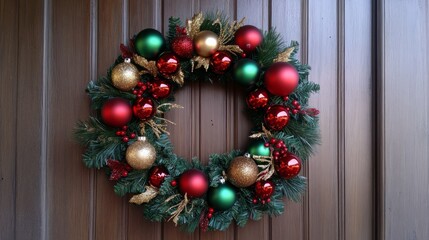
(257, 147)
(149, 43)
(246, 71)
(222, 197)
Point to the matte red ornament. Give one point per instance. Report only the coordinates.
(116, 112)
(144, 108)
(194, 183)
(288, 166)
(157, 175)
(167, 63)
(160, 89)
(248, 37)
(183, 46)
(220, 62)
(281, 79)
(264, 189)
(276, 117)
(257, 99)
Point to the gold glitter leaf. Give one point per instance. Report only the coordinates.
(284, 56)
(226, 34)
(201, 62)
(146, 196)
(231, 48)
(193, 25)
(178, 77)
(150, 66)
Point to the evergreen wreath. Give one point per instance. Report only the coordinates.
(128, 137)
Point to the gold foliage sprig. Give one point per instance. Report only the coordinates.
(193, 25)
(144, 197)
(284, 56)
(149, 66)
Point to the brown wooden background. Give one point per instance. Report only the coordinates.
(50, 49)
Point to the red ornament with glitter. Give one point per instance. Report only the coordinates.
(167, 63)
(157, 175)
(220, 62)
(119, 169)
(116, 112)
(257, 99)
(276, 117)
(288, 166)
(144, 108)
(183, 46)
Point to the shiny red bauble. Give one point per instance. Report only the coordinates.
(257, 99)
(157, 175)
(276, 117)
(183, 46)
(220, 62)
(194, 183)
(144, 108)
(160, 89)
(248, 38)
(264, 189)
(116, 112)
(288, 166)
(167, 63)
(281, 79)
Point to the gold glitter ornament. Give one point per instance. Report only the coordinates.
(242, 172)
(206, 43)
(141, 154)
(125, 76)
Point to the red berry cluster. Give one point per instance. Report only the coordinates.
(210, 213)
(296, 106)
(263, 201)
(140, 89)
(118, 168)
(278, 147)
(123, 133)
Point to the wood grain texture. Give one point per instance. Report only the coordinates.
(31, 134)
(109, 37)
(323, 171)
(359, 147)
(8, 108)
(68, 179)
(404, 121)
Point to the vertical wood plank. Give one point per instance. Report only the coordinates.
(404, 117)
(8, 108)
(109, 36)
(358, 119)
(256, 13)
(143, 14)
(185, 134)
(31, 135)
(287, 18)
(68, 179)
(323, 172)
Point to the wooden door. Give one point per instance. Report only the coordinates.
(51, 49)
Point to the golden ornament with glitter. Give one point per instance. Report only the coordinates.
(242, 171)
(141, 154)
(125, 76)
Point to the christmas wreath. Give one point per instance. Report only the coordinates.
(128, 137)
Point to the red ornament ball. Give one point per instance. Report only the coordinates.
(264, 189)
(160, 89)
(288, 166)
(144, 108)
(183, 46)
(220, 62)
(116, 112)
(276, 117)
(257, 99)
(194, 183)
(281, 79)
(167, 63)
(248, 38)
(157, 175)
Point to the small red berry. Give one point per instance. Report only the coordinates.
(298, 107)
(132, 135)
(124, 128)
(263, 201)
(124, 173)
(276, 153)
(266, 144)
(268, 200)
(125, 139)
(211, 210)
(140, 84)
(118, 133)
(210, 215)
(255, 201)
(288, 109)
(273, 140)
(144, 88)
(243, 55)
(139, 96)
(286, 98)
(278, 145)
(295, 102)
(135, 92)
(295, 111)
(173, 183)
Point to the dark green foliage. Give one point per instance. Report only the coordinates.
(300, 135)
